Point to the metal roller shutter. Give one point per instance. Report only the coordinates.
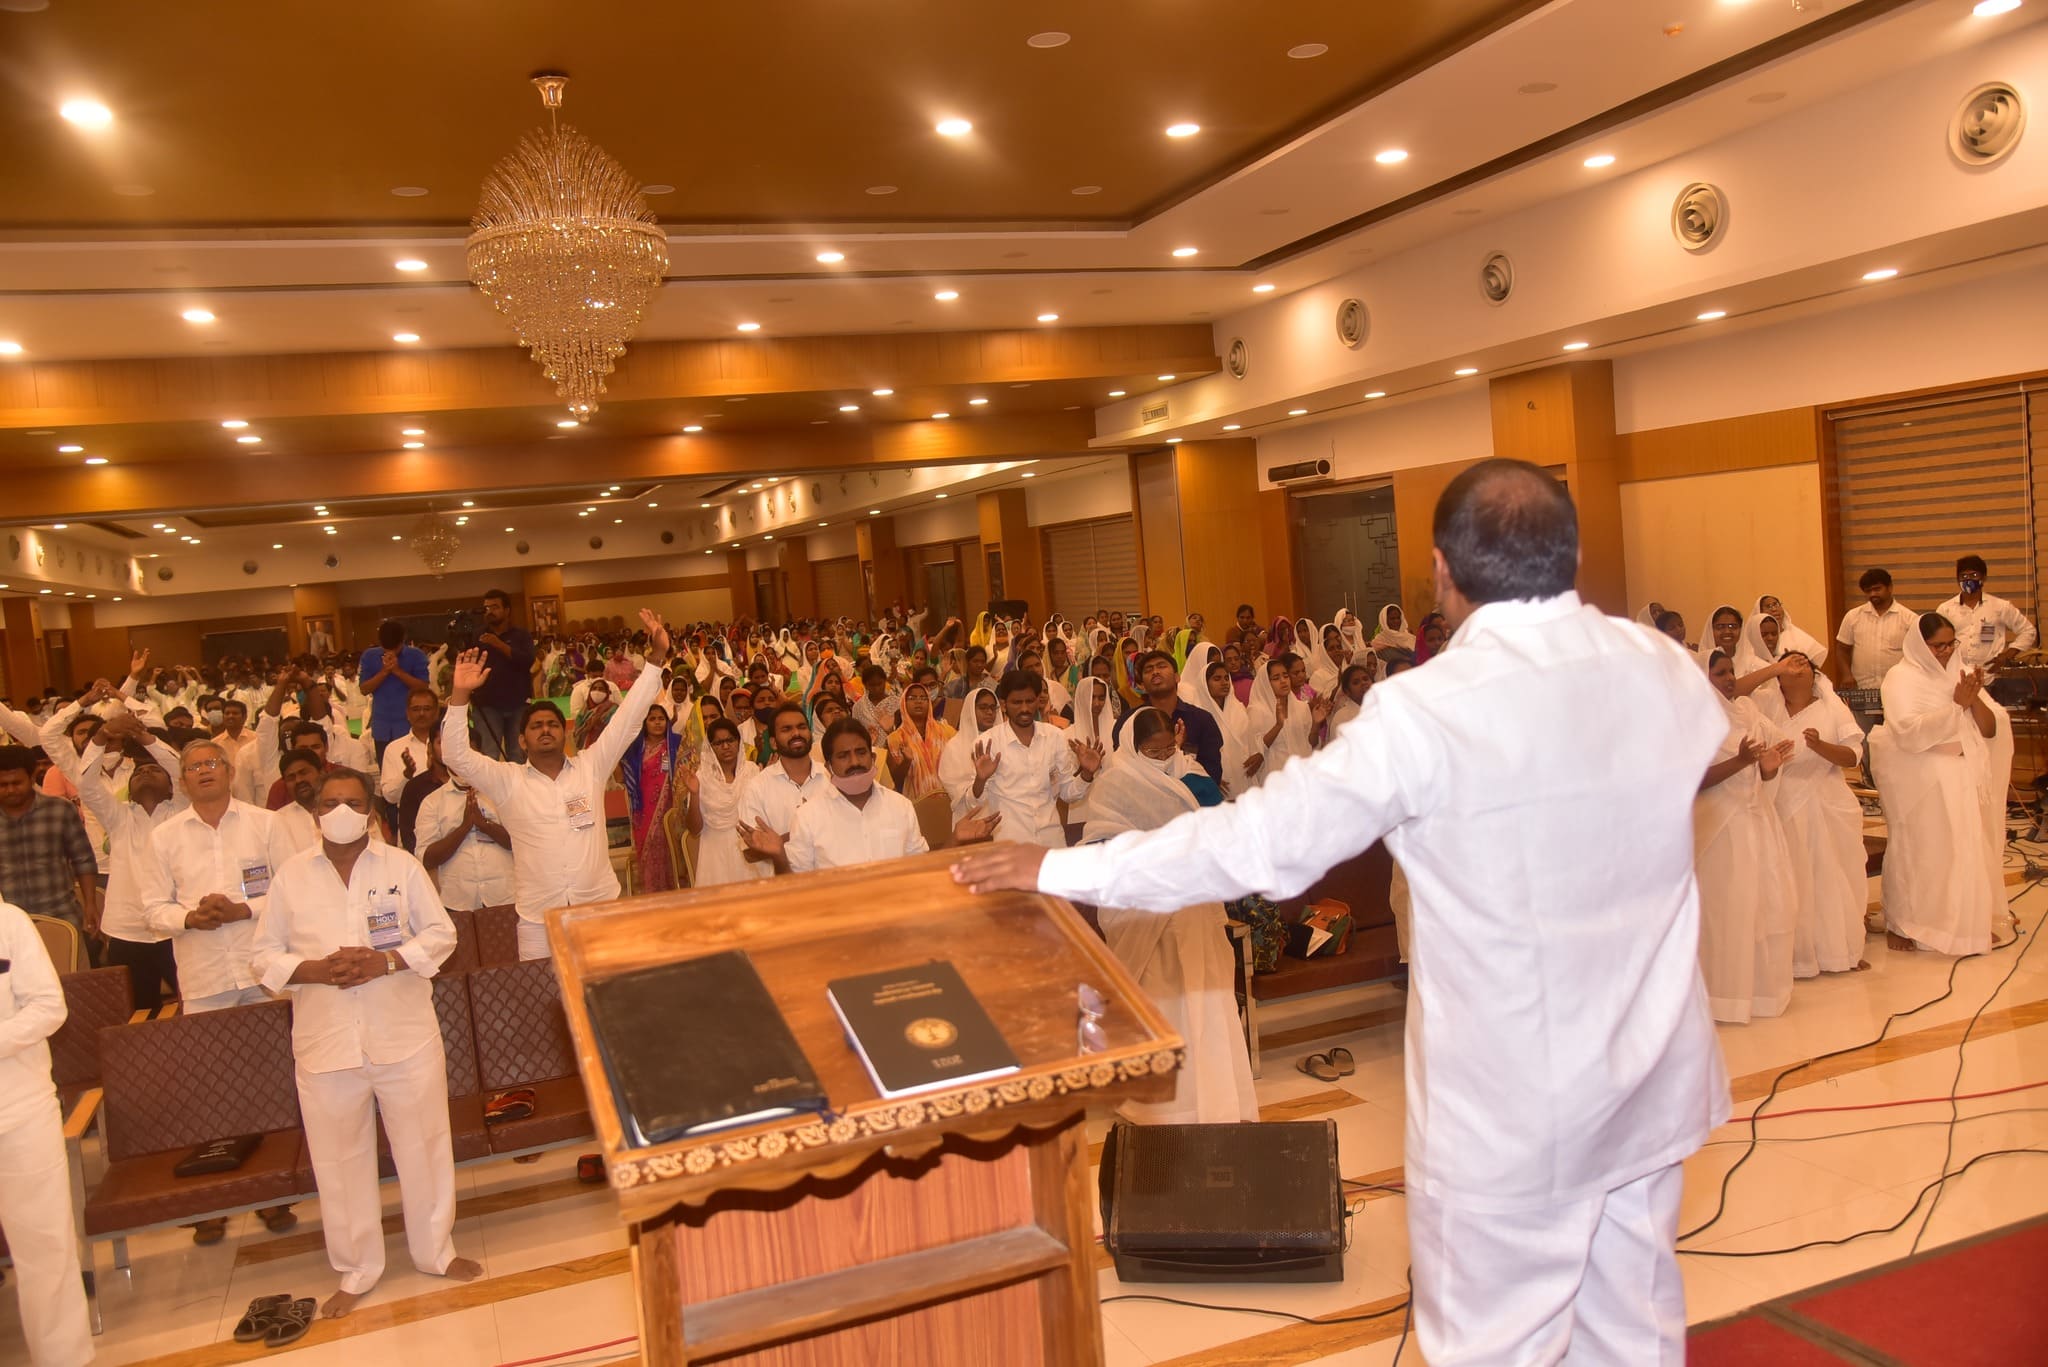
(1092, 566)
(839, 588)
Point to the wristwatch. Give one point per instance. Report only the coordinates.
(390, 962)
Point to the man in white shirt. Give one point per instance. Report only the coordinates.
(239, 741)
(464, 846)
(353, 930)
(408, 755)
(294, 827)
(768, 804)
(1989, 630)
(878, 707)
(553, 804)
(1560, 1058)
(152, 800)
(35, 1181)
(207, 881)
(1022, 768)
(1873, 634)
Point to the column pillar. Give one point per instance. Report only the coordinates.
(1006, 528)
(881, 566)
(740, 583)
(26, 671)
(799, 585)
(1563, 415)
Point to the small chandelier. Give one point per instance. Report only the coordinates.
(566, 248)
(435, 542)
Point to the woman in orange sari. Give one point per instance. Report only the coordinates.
(915, 746)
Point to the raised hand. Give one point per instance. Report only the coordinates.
(986, 762)
(1748, 751)
(1969, 686)
(406, 762)
(691, 782)
(979, 824)
(1280, 701)
(1319, 710)
(657, 635)
(1180, 734)
(762, 841)
(1812, 735)
(470, 673)
(1773, 759)
(138, 662)
(1088, 756)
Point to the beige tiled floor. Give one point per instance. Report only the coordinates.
(558, 1264)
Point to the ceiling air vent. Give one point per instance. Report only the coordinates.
(1988, 125)
(248, 567)
(1151, 413)
(1497, 278)
(164, 573)
(1354, 324)
(1698, 215)
(1238, 359)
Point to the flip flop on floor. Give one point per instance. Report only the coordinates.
(261, 1314)
(1319, 1067)
(290, 1323)
(1340, 1059)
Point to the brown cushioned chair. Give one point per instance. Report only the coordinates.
(522, 1040)
(172, 1085)
(497, 935)
(94, 999)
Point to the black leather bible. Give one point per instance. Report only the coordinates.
(697, 1045)
(919, 1028)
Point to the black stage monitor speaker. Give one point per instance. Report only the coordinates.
(1196, 1203)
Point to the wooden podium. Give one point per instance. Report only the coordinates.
(946, 1228)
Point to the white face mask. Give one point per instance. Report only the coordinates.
(853, 785)
(215, 717)
(344, 825)
(1159, 764)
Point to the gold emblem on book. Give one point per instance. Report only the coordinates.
(930, 1032)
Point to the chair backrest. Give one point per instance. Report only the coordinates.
(64, 941)
(691, 841)
(497, 936)
(182, 1082)
(458, 1032)
(672, 831)
(93, 999)
(465, 957)
(522, 1035)
(935, 819)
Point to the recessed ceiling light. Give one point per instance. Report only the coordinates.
(977, 402)
(1576, 346)
(1262, 289)
(941, 415)
(694, 427)
(277, 545)
(410, 264)
(1466, 370)
(568, 422)
(86, 113)
(658, 188)
(703, 505)
(59, 526)
(955, 128)
(70, 450)
(95, 460)
(1048, 317)
(881, 189)
(248, 439)
(1117, 393)
(412, 431)
(941, 495)
(1391, 157)
(831, 258)
(396, 537)
(412, 445)
(197, 315)
(1986, 9)
(469, 503)
(409, 191)
(946, 296)
(10, 348)
(617, 521)
(1712, 315)
(1297, 412)
(1173, 441)
(1881, 273)
(1182, 130)
(654, 505)
(158, 527)
(882, 393)
(405, 338)
(1165, 378)
(1184, 251)
(849, 408)
(874, 512)
(331, 532)
(1086, 190)
(1594, 163)
(1031, 474)
(1050, 38)
(1376, 394)
(319, 507)
(235, 424)
(1301, 52)
(769, 537)
(1233, 426)
(584, 513)
(750, 327)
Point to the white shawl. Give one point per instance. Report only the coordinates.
(956, 761)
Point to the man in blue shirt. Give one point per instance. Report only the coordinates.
(494, 707)
(1200, 735)
(390, 671)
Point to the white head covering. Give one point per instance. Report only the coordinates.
(1393, 638)
(1704, 652)
(1751, 652)
(1088, 728)
(1293, 740)
(1230, 715)
(1790, 636)
(1134, 792)
(1353, 630)
(956, 761)
(1322, 669)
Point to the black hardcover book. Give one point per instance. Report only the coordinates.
(696, 1046)
(918, 1028)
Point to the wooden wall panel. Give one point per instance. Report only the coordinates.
(1275, 519)
(1155, 510)
(1006, 527)
(1788, 436)
(1223, 553)
(1416, 491)
(1564, 415)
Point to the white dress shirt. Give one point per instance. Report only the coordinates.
(128, 829)
(772, 797)
(31, 1010)
(1986, 631)
(831, 833)
(1876, 640)
(1536, 784)
(394, 778)
(242, 753)
(1032, 775)
(311, 913)
(561, 858)
(191, 859)
(479, 873)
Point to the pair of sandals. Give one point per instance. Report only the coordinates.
(1329, 1067)
(275, 1321)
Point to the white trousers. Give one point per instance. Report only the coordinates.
(221, 1001)
(340, 1110)
(35, 1212)
(1592, 1282)
(533, 939)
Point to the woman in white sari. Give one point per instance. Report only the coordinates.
(1281, 728)
(1393, 641)
(978, 715)
(1747, 911)
(1327, 660)
(714, 792)
(1823, 821)
(1206, 684)
(1182, 959)
(1790, 637)
(1942, 760)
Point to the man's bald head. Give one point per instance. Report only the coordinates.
(1507, 530)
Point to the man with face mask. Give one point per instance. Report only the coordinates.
(768, 804)
(131, 942)
(553, 804)
(1989, 630)
(294, 826)
(354, 930)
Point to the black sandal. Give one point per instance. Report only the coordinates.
(290, 1323)
(261, 1315)
(1340, 1059)
(1319, 1067)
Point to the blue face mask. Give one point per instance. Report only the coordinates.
(1972, 584)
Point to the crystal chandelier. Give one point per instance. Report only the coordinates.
(568, 251)
(435, 542)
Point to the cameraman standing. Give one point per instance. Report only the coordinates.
(495, 706)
